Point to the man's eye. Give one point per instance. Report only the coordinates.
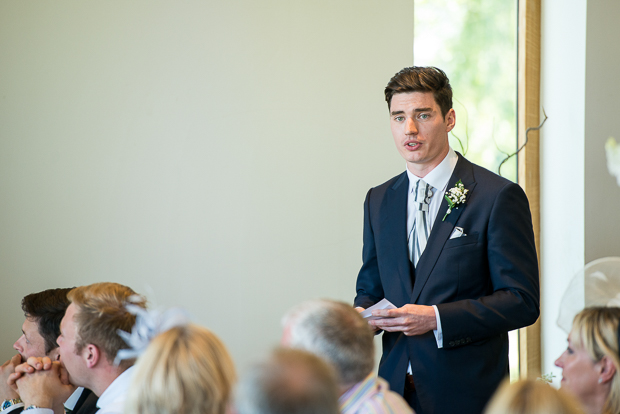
(424, 116)
(399, 118)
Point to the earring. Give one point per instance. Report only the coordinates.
(600, 380)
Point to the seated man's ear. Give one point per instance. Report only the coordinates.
(54, 354)
(91, 355)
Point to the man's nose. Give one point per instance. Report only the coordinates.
(17, 346)
(411, 127)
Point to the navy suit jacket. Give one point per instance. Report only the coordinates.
(484, 284)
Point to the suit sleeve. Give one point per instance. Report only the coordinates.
(369, 288)
(514, 294)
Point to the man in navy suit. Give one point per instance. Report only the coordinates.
(472, 277)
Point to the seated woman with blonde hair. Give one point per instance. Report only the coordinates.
(184, 370)
(591, 361)
(531, 397)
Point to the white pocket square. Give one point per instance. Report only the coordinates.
(457, 232)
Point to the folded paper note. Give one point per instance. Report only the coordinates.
(382, 304)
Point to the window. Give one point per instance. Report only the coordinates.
(475, 43)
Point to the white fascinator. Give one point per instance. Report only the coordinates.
(149, 324)
(597, 284)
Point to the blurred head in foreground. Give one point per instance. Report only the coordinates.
(185, 370)
(290, 382)
(531, 397)
(590, 363)
(337, 333)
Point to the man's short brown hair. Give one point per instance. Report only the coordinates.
(101, 313)
(422, 79)
(47, 308)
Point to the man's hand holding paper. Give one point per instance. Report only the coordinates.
(410, 319)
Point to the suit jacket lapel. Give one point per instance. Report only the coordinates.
(396, 228)
(442, 229)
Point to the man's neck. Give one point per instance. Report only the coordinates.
(102, 378)
(344, 388)
(423, 171)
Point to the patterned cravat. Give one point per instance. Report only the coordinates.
(421, 226)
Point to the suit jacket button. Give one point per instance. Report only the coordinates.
(451, 343)
(468, 340)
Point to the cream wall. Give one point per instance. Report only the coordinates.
(602, 194)
(209, 154)
(579, 199)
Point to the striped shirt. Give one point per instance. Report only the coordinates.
(373, 396)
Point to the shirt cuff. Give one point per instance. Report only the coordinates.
(39, 411)
(438, 332)
(11, 408)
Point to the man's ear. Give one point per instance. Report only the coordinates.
(54, 354)
(450, 119)
(607, 369)
(91, 354)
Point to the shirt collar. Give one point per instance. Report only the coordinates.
(440, 175)
(73, 399)
(116, 389)
(357, 393)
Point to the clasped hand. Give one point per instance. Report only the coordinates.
(7, 392)
(43, 383)
(409, 319)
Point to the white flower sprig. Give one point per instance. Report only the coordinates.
(546, 378)
(455, 197)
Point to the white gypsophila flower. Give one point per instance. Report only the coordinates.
(455, 196)
(612, 150)
(546, 378)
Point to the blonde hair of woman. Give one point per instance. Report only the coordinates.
(590, 363)
(184, 370)
(531, 397)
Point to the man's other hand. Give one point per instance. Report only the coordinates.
(409, 319)
(32, 365)
(8, 368)
(359, 309)
(44, 388)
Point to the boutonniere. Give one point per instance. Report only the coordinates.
(455, 197)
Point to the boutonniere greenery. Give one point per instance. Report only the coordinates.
(546, 378)
(455, 197)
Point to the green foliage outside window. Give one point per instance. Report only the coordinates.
(475, 43)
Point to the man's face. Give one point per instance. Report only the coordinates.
(31, 343)
(420, 131)
(73, 362)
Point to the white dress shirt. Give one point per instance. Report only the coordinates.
(112, 401)
(73, 399)
(438, 178)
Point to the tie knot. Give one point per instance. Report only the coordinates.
(423, 192)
